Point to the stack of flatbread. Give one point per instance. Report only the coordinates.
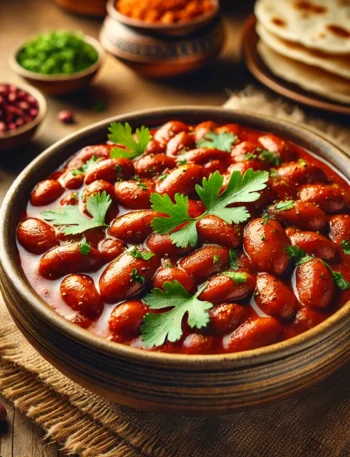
(307, 42)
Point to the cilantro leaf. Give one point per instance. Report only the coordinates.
(221, 141)
(338, 278)
(84, 247)
(122, 135)
(87, 166)
(136, 277)
(233, 259)
(346, 246)
(238, 277)
(270, 157)
(274, 173)
(75, 222)
(137, 254)
(157, 328)
(295, 253)
(177, 212)
(286, 205)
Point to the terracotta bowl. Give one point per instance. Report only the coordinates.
(59, 84)
(177, 29)
(22, 135)
(183, 384)
(158, 57)
(84, 7)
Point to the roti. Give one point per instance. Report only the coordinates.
(317, 24)
(310, 78)
(337, 64)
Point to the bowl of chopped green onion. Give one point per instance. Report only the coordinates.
(58, 62)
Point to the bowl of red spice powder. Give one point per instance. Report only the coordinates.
(167, 17)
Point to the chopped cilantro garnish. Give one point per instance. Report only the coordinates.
(302, 162)
(233, 259)
(157, 328)
(268, 156)
(240, 189)
(236, 276)
(274, 173)
(74, 221)
(182, 161)
(84, 247)
(140, 183)
(122, 135)
(346, 246)
(294, 252)
(88, 166)
(136, 277)
(286, 205)
(162, 177)
(222, 141)
(338, 278)
(216, 258)
(145, 255)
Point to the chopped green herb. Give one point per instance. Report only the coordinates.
(303, 162)
(74, 221)
(338, 278)
(136, 277)
(249, 156)
(233, 259)
(346, 246)
(295, 253)
(286, 205)
(240, 189)
(263, 238)
(270, 157)
(122, 135)
(162, 177)
(84, 247)
(140, 183)
(216, 258)
(237, 277)
(88, 166)
(182, 161)
(266, 218)
(222, 141)
(145, 255)
(274, 173)
(157, 328)
(118, 169)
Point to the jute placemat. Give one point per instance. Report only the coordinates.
(312, 424)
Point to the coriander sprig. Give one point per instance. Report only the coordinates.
(122, 135)
(222, 141)
(240, 189)
(157, 328)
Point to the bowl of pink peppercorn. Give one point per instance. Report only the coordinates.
(22, 110)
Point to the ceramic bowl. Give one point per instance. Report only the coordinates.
(177, 29)
(59, 84)
(157, 57)
(171, 383)
(84, 7)
(22, 135)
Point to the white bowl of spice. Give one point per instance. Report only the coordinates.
(58, 62)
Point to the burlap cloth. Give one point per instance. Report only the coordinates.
(312, 424)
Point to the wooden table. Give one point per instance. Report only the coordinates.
(121, 91)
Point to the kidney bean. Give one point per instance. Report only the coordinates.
(46, 192)
(126, 276)
(111, 170)
(242, 167)
(126, 318)
(179, 143)
(36, 236)
(72, 182)
(205, 262)
(265, 243)
(229, 128)
(243, 148)
(222, 288)
(152, 165)
(66, 259)
(154, 147)
(283, 189)
(302, 215)
(274, 298)
(273, 143)
(253, 333)
(339, 225)
(214, 165)
(302, 172)
(182, 180)
(134, 227)
(330, 198)
(213, 229)
(110, 248)
(226, 317)
(97, 187)
(305, 319)
(203, 155)
(315, 284)
(195, 208)
(70, 199)
(313, 244)
(134, 194)
(168, 274)
(196, 343)
(3, 412)
(203, 128)
(80, 294)
(169, 130)
(85, 154)
(163, 246)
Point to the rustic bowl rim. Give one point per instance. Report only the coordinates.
(42, 106)
(17, 68)
(275, 351)
(159, 27)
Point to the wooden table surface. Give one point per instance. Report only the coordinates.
(121, 91)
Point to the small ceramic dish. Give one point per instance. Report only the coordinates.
(23, 134)
(59, 84)
(166, 382)
(177, 29)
